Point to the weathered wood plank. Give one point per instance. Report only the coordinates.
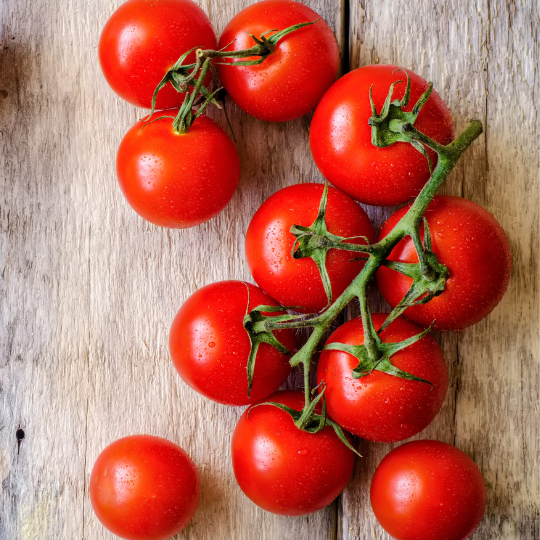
(89, 289)
(481, 58)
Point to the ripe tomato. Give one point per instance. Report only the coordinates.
(282, 469)
(381, 407)
(297, 282)
(144, 488)
(428, 490)
(177, 180)
(210, 347)
(292, 79)
(340, 137)
(143, 39)
(471, 243)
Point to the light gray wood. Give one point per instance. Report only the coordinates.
(88, 289)
(482, 58)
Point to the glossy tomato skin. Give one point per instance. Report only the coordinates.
(144, 488)
(177, 180)
(282, 469)
(471, 243)
(210, 347)
(340, 137)
(428, 490)
(297, 282)
(292, 79)
(381, 407)
(143, 39)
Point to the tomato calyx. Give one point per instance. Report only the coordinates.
(367, 363)
(429, 276)
(259, 330)
(393, 124)
(315, 241)
(184, 76)
(309, 420)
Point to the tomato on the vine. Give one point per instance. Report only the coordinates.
(428, 490)
(285, 470)
(210, 346)
(143, 39)
(297, 282)
(382, 407)
(292, 79)
(144, 488)
(470, 242)
(340, 137)
(177, 180)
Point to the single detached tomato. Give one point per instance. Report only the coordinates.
(210, 346)
(340, 137)
(428, 490)
(470, 242)
(292, 79)
(282, 469)
(297, 282)
(381, 407)
(143, 39)
(144, 488)
(177, 180)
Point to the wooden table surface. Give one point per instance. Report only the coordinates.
(88, 289)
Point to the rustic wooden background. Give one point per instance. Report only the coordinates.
(88, 289)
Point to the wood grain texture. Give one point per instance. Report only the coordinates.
(88, 289)
(482, 58)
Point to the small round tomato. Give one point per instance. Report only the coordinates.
(428, 490)
(143, 39)
(470, 242)
(177, 180)
(297, 282)
(144, 488)
(292, 79)
(210, 346)
(381, 407)
(285, 470)
(340, 137)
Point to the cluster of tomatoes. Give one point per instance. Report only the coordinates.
(145, 487)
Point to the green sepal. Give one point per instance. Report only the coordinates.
(365, 363)
(256, 326)
(315, 241)
(318, 422)
(429, 276)
(393, 123)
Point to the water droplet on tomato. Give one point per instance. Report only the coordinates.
(211, 344)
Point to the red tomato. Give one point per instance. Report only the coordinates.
(177, 180)
(282, 469)
(340, 137)
(292, 79)
(428, 490)
(297, 282)
(471, 243)
(143, 39)
(144, 488)
(210, 346)
(381, 407)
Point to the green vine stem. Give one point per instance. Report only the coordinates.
(183, 77)
(429, 273)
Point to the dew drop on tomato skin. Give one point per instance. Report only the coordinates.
(297, 282)
(288, 486)
(224, 345)
(380, 407)
(474, 247)
(288, 84)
